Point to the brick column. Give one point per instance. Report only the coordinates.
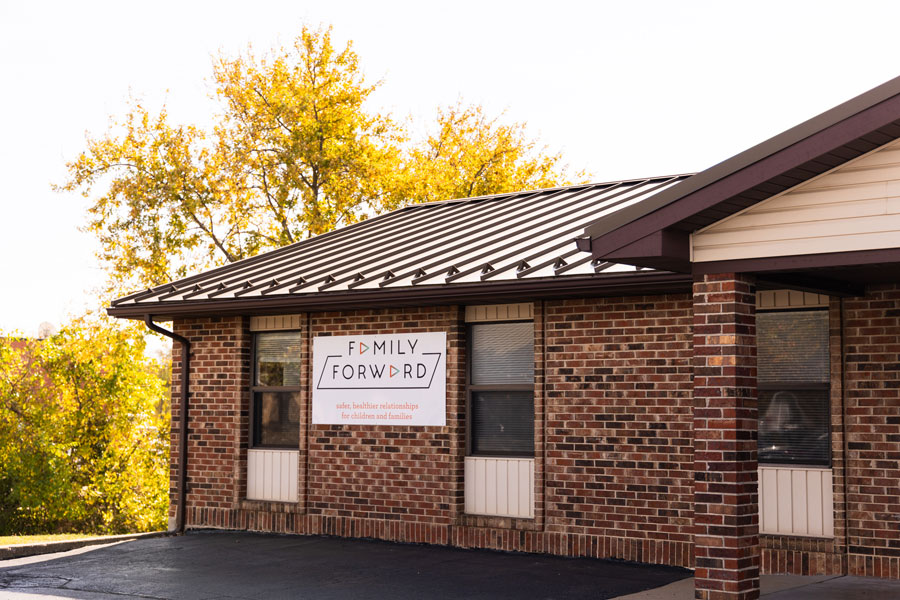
(726, 502)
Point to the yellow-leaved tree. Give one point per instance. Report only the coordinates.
(296, 150)
(467, 153)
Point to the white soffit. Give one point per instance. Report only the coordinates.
(855, 206)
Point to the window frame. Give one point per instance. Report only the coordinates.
(800, 386)
(254, 388)
(470, 388)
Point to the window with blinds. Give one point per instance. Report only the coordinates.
(501, 389)
(278, 359)
(793, 376)
(275, 394)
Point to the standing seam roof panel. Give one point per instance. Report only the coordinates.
(482, 240)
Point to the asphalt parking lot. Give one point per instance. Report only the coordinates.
(228, 565)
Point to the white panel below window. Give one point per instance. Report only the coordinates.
(500, 487)
(272, 475)
(796, 501)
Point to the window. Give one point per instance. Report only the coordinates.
(793, 370)
(275, 406)
(501, 389)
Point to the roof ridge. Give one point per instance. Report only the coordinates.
(548, 189)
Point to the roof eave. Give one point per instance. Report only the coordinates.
(637, 283)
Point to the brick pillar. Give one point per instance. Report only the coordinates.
(726, 502)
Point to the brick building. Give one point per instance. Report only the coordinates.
(700, 370)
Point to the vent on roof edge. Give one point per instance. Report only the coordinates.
(329, 281)
(600, 265)
(301, 281)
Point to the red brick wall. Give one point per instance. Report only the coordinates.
(619, 452)
(616, 373)
(872, 397)
(614, 470)
(218, 427)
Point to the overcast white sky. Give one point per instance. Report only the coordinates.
(623, 89)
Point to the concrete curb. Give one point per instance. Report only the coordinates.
(769, 584)
(23, 550)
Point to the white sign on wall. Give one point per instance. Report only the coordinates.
(391, 379)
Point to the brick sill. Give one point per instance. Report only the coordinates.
(793, 543)
(799, 538)
(272, 506)
(513, 523)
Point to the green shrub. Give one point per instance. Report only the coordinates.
(84, 433)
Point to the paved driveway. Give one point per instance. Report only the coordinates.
(245, 565)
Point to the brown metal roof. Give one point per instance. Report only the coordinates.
(506, 244)
(818, 145)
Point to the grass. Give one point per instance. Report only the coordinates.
(13, 540)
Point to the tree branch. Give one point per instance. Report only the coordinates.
(279, 214)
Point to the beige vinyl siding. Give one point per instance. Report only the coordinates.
(853, 207)
(502, 487)
(272, 475)
(796, 501)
